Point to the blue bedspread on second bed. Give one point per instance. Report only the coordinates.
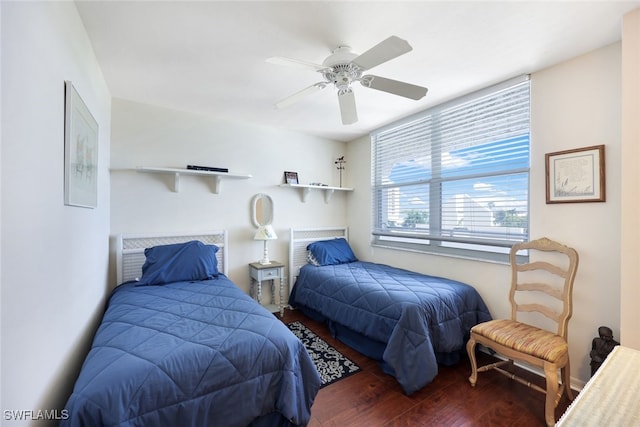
(415, 315)
(192, 354)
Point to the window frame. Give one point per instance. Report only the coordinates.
(486, 249)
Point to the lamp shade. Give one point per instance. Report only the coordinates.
(265, 232)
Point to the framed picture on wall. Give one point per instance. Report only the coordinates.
(576, 176)
(291, 177)
(80, 151)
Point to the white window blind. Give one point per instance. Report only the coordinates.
(456, 177)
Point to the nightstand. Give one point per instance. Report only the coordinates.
(259, 273)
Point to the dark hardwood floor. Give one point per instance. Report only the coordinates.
(372, 398)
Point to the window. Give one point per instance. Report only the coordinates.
(455, 178)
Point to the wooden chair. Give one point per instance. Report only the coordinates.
(543, 277)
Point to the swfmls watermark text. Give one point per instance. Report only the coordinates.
(35, 415)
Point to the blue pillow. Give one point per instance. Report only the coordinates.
(331, 252)
(179, 262)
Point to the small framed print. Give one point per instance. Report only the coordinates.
(576, 176)
(291, 177)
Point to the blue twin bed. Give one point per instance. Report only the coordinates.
(183, 346)
(408, 321)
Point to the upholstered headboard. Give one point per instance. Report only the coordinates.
(300, 238)
(130, 250)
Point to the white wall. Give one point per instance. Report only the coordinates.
(144, 135)
(630, 181)
(577, 104)
(54, 257)
(574, 104)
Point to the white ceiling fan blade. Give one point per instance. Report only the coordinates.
(292, 99)
(348, 111)
(394, 86)
(382, 52)
(297, 63)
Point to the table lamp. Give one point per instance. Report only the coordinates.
(265, 232)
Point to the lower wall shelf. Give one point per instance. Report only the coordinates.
(306, 189)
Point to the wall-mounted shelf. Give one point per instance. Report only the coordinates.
(217, 176)
(306, 189)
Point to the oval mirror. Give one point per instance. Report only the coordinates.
(261, 210)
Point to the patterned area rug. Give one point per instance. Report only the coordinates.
(330, 363)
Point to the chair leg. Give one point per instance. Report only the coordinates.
(566, 380)
(551, 376)
(471, 352)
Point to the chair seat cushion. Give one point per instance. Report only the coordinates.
(524, 338)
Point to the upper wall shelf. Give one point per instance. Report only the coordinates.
(306, 189)
(217, 176)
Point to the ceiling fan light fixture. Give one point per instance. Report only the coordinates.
(341, 75)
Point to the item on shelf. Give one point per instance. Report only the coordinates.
(291, 177)
(318, 184)
(340, 161)
(207, 168)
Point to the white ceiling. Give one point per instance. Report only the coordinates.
(209, 57)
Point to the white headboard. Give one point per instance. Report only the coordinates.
(130, 250)
(300, 238)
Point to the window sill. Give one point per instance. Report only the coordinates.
(479, 256)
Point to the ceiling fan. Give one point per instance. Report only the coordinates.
(343, 67)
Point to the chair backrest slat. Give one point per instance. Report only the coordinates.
(539, 308)
(543, 265)
(541, 287)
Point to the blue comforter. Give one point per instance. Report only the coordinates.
(192, 354)
(418, 318)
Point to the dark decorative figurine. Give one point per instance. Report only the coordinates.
(601, 347)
